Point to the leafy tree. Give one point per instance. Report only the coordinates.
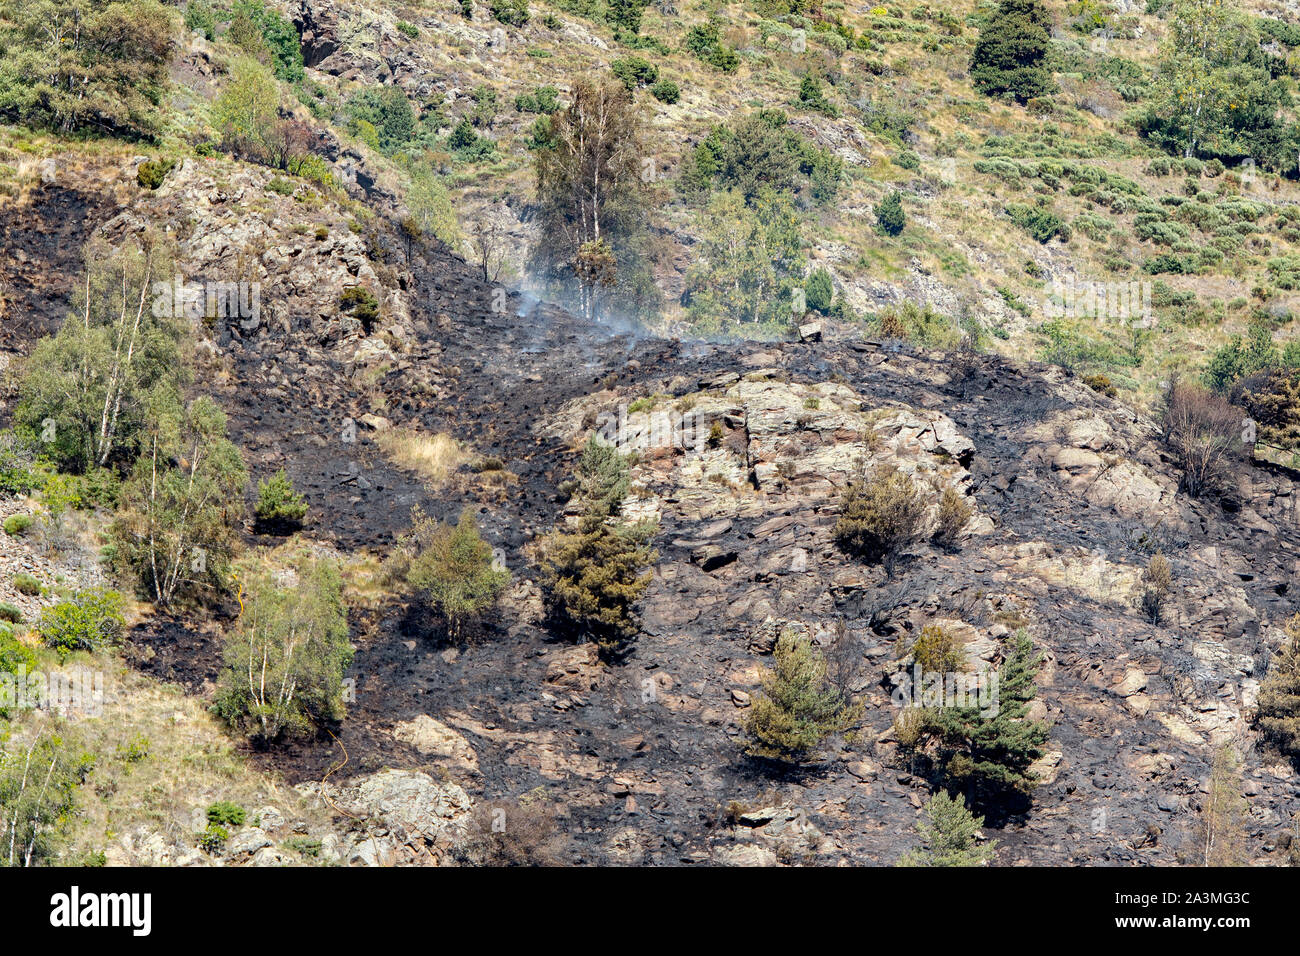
(431, 207)
(85, 389)
(749, 261)
(1221, 831)
(948, 832)
(175, 530)
(890, 217)
(1216, 90)
(592, 199)
(453, 569)
(279, 506)
(248, 109)
(987, 751)
(39, 778)
(798, 708)
(84, 65)
(1013, 51)
(284, 662)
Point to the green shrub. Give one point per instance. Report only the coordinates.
(819, 291)
(949, 836)
(705, 42)
(468, 146)
(92, 618)
(27, 584)
(938, 651)
(225, 813)
(409, 29)
(879, 515)
(363, 304)
(453, 569)
(633, 71)
(513, 13)
(13, 653)
(16, 525)
(213, 839)
(1040, 221)
(151, 173)
(279, 507)
(10, 613)
(954, 514)
(811, 96)
(544, 100)
(666, 91)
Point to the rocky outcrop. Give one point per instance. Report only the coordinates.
(398, 817)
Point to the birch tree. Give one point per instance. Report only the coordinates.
(182, 504)
(85, 388)
(590, 188)
(285, 661)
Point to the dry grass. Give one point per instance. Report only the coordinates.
(432, 457)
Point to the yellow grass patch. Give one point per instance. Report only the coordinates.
(432, 457)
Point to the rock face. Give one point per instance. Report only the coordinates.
(399, 817)
(434, 738)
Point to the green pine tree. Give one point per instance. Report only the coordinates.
(819, 291)
(988, 750)
(889, 214)
(799, 707)
(948, 834)
(1012, 53)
